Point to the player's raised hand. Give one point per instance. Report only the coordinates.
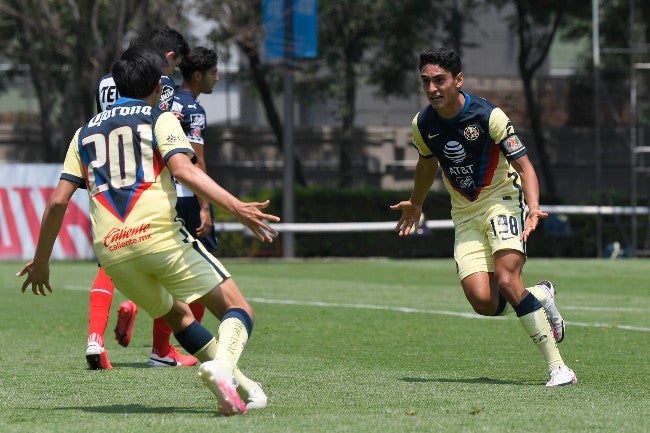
(410, 219)
(38, 276)
(532, 220)
(250, 214)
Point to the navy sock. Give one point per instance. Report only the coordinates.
(194, 337)
(242, 315)
(501, 306)
(527, 305)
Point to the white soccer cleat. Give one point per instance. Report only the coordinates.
(561, 376)
(221, 385)
(554, 317)
(255, 398)
(97, 357)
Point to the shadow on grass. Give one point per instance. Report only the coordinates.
(135, 365)
(479, 380)
(137, 408)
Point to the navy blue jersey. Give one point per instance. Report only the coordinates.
(473, 150)
(107, 93)
(193, 122)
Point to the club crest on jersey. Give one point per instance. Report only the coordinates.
(471, 132)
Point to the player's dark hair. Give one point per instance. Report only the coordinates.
(198, 59)
(444, 57)
(138, 71)
(166, 39)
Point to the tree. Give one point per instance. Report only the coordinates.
(67, 45)
(239, 23)
(372, 41)
(536, 24)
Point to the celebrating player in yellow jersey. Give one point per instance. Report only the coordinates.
(490, 179)
(125, 157)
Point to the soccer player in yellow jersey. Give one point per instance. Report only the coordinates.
(490, 179)
(125, 157)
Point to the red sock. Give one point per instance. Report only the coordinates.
(198, 310)
(101, 295)
(162, 332)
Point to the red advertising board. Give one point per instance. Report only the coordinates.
(24, 192)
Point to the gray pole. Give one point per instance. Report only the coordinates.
(595, 33)
(288, 241)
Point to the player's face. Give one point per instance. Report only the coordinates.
(442, 89)
(208, 79)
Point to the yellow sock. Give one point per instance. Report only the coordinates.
(232, 339)
(207, 352)
(537, 327)
(243, 381)
(539, 293)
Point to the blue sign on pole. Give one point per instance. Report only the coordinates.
(303, 28)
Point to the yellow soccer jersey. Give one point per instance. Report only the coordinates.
(119, 156)
(473, 150)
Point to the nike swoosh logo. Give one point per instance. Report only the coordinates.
(172, 363)
(430, 136)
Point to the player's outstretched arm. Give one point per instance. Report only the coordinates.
(249, 214)
(38, 270)
(530, 185)
(425, 173)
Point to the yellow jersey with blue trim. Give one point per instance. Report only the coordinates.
(120, 158)
(474, 150)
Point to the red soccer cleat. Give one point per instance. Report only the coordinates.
(125, 318)
(173, 359)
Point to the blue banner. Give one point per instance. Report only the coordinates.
(290, 38)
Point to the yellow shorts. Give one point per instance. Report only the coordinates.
(152, 280)
(477, 239)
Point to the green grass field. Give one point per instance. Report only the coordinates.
(343, 346)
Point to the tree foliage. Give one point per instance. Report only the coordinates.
(374, 42)
(66, 45)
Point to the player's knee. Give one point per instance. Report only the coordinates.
(484, 307)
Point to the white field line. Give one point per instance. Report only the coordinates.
(466, 315)
(433, 312)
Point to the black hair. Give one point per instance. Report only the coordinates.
(198, 59)
(444, 57)
(138, 71)
(166, 39)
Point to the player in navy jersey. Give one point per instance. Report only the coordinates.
(125, 157)
(199, 70)
(495, 203)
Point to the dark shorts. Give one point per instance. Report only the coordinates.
(188, 209)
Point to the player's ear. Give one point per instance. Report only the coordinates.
(158, 89)
(459, 80)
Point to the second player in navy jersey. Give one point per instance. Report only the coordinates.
(199, 70)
